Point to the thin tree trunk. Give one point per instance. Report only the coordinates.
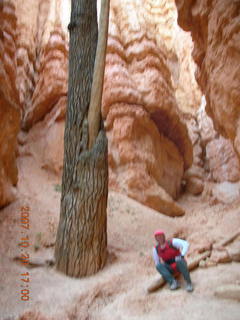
(94, 114)
(81, 244)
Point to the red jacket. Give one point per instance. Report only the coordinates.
(168, 254)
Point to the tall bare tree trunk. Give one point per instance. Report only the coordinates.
(81, 244)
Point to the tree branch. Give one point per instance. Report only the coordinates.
(94, 114)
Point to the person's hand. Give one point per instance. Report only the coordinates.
(178, 258)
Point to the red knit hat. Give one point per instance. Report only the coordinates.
(157, 232)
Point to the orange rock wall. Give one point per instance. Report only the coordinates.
(214, 159)
(142, 76)
(42, 66)
(152, 149)
(33, 82)
(42, 54)
(9, 102)
(149, 146)
(150, 97)
(215, 30)
(221, 162)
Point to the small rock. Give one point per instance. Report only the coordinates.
(207, 245)
(194, 171)
(228, 292)
(50, 262)
(226, 192)
(210, 263)
(33, 315)
(194, 185)
(22, 137)
(234, 251)
(202, 264)
(218, 247)
(220, 256)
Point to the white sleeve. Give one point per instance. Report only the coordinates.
(180, 244)
(155, 256)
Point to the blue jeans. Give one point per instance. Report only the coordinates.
(167, 272)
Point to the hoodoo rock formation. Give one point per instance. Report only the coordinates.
(149, 146)
(214, 27)
(9, 103)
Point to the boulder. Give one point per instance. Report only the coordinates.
(230, 291)
(226, 192)
(194, 185)
(220, 256)
(234, 251)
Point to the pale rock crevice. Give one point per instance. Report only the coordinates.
(221, 162)
(195, 176)
(214, 159)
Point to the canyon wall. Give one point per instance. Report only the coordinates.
(158, 142)
(42, 53)
(214, 158)
(33, 85)
(42, 65)
(9, 102)
(149, 145)
(215, 29)
(220, 159)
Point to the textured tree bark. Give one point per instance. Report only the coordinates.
(81, 243)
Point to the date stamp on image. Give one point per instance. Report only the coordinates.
(24, 244)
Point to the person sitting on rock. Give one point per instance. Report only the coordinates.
(169, 259)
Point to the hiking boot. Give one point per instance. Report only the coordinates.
(189, 287)
(174, 285)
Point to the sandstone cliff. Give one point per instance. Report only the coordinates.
(33, 81)
(42, 65)
(149, 102)
(9, 102)
(149, 146)
(220, 160)
(42, 53)
(148, 157)
(214, 158)
(215, 27)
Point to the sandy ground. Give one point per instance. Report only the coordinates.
(119, 291)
